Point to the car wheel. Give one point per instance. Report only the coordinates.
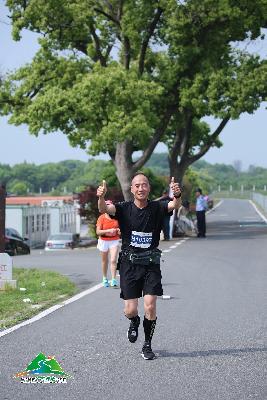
(15, 251)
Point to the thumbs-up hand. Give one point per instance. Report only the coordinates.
(102, 189)
(175, 188)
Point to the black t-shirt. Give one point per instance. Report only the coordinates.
(140, 227)
(166, 199)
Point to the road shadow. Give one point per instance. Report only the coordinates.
(209, 353)
(229, 230)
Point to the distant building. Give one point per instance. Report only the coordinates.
(38, 217)
(40, 200)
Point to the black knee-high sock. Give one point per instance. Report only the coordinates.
(135, 319)
(149, 327)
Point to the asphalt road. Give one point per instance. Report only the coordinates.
(210, 336)
(82, 266)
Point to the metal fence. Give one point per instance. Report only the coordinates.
(234, 194)
(260, 199)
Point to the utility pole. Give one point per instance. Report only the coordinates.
(2, 217)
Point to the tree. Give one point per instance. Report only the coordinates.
(19, 188)
(225, 94)
(237, 164)
(5, 173)
(89, 205)
(115, 76)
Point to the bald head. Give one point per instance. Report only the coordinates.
(140, 174)
(140, 187)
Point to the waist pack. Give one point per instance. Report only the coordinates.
(145, 257)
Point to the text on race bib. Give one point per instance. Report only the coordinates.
(141, 239)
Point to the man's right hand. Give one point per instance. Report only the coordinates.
(102, 190)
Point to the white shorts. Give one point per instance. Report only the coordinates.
(105, 245)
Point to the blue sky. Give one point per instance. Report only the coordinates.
(244, 139)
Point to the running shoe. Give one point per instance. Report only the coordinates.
(114, 283)
(132, 333)
(105, 282)
(147, 352)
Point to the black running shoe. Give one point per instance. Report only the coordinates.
(132, 333)
(147, 352)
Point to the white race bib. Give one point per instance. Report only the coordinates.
(141, 239)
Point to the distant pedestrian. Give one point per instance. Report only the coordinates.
(201, 208)
(108, 230)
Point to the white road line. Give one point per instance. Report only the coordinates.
(84, 293)
(66, 302)
(258, 211)
(246, 218)
(51, 309)
(174, 246)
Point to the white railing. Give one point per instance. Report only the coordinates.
(260, 199)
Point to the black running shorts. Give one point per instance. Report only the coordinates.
(138, 280)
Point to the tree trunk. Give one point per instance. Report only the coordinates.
(177, 169)
(124, 167)
(182, 149)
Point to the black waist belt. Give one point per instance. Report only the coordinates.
(143, 258)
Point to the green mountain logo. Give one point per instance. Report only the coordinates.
(42, 365)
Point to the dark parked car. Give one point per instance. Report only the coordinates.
(15, 244)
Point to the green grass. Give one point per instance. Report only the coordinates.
(43, 288)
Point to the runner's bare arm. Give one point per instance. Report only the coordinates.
(102, 206)
(106, 232)
(176, 202)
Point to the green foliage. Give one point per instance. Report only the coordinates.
(19, 188)
(74, 175)
(89, 93)
(5, 173)
(130, 71)
(226, 175)
(157, 183)
(91, 173)
(159, 163)
(209, 176)
(81, 174)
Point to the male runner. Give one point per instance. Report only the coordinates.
(140, 222)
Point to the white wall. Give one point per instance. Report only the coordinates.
(14, 219)
(55, 220)
(37, 223)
